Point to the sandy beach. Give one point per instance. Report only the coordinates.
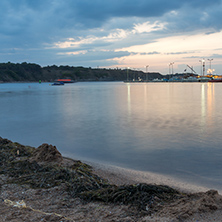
(120, 176)
(25, 197)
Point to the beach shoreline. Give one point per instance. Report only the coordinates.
(120, 176)
(31, 201)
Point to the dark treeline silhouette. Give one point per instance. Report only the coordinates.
(11, 72)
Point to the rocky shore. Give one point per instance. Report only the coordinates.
(39, 184)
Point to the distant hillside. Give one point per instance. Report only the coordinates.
(11, 72)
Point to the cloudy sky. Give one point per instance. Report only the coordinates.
(113, 33)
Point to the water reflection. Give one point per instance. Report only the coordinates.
(167, 128)
(207, 106)
(210, 103)
(129, 99)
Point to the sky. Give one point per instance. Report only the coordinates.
(147, 35)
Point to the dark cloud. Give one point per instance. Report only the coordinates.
(150, 53)
(29, 27)
(97, 10)
(49, 16)
(196, 15)
(100, 10)
(180, 53)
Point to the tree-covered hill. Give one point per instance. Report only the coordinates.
(11, 72)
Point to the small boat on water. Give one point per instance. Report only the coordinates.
(58, 84)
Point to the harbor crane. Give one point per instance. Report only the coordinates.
(191, 69)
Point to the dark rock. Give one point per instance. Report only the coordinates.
(46, 153)
(4, 141)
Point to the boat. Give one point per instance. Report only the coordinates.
(204, 79)
(216, 80)
(58, 84)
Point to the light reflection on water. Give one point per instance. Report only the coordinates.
(168, 128)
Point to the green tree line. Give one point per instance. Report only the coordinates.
(22, 72)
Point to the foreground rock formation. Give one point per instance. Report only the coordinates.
(41, 185)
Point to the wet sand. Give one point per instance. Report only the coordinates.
(121, 176)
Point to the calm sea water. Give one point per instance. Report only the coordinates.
(168, 128)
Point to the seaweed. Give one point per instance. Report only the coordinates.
(19, 164)
(143, 196)
(9, 151)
